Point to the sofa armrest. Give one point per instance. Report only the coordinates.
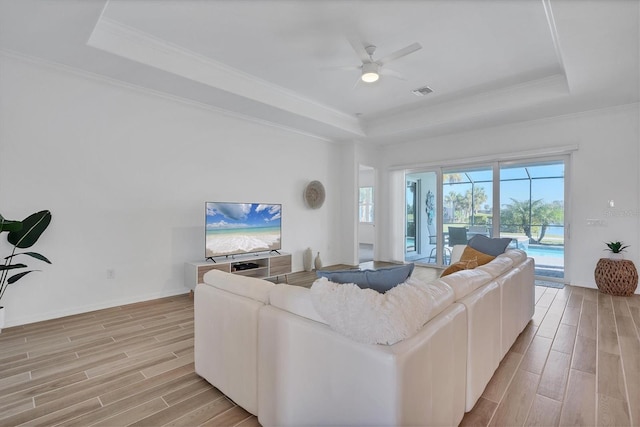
(249, 287)
(226, 343)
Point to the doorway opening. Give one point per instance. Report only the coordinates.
(366, 210)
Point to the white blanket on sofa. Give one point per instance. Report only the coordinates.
(368, 316)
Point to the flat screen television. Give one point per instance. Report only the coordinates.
(241, 228)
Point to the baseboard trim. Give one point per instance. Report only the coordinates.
(93, 307)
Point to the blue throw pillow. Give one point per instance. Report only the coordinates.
(380, 280)
(344, 276)
(489, 246)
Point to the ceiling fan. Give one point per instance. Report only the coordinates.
(372, 69)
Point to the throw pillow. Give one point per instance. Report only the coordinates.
(374, 318)
(456, 266)
(461, 265)
(380, 280)
(480, 258)
(472, 263)
(343, 276)
(489, 246)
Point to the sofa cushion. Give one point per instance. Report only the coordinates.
(517, 255)
(489, 246)
(250, 287)
(296, 300)
(466, 281)
(498, 266)
(380, 280)
(368, 316)
(425, 274)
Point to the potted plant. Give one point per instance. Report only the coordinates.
(616, 248)
(615, 275)
(21, 235)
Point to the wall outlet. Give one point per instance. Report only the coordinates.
(111, 273)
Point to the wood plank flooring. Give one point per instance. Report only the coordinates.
(576, 363)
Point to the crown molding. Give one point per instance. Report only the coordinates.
(553, 32)
(121, 40)
(552, 151)
(100, 78)
(520, 123)
(470, 108)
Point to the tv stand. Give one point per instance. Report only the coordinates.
(211, 259)
(260, 266)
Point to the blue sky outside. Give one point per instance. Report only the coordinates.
(242, 215)
(515, 183)
(546, 183)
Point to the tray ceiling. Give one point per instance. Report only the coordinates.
(488, 62)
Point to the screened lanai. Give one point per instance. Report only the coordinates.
(530, 197)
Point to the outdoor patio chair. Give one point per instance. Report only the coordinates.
(446, 253)
(457, 236)
(479, 229)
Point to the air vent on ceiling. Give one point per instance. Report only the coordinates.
(422, 91)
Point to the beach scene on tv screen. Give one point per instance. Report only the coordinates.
(236, 228)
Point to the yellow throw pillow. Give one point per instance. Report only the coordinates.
(461, 265)
(470, 258)
(471, 254)
(456, 266)
(472, 263)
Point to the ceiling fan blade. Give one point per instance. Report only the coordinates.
(399, 53)
(392, 73)
(358, 47)
(343, 67)
(356, 84)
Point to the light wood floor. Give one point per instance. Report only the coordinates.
(576, 363)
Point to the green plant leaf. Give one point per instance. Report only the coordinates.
(12, 266)
(36, 256)
(8, 225)
(19, 276)
(32, 227)
(616, 247)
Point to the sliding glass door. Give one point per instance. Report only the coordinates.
(468, 203)
(522, 200)
(532, 212)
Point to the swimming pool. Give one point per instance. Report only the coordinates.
(546, 251)
(549, 260)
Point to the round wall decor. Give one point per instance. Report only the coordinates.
(314, 194)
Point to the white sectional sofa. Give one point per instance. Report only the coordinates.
(266, 347)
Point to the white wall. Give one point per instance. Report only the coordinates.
(125, 174)
(604, 167)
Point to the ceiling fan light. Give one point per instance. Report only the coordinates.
(370, 77)
(370, 72)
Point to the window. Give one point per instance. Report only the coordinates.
(365, 205)
(468, 197)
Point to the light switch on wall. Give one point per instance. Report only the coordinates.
(596, 222)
